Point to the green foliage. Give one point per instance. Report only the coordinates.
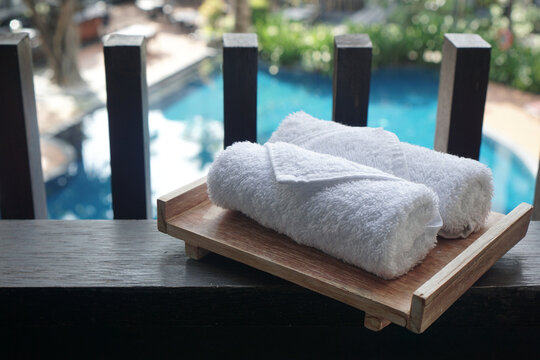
(259, 9)
(288, 43)
(212, 11)
(216, 19)
(413, 34)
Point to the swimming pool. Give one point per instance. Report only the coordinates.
(186, 130)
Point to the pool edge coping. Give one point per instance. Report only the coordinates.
(528, 160)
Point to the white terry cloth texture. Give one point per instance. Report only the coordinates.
(464, 186)
(361, 215)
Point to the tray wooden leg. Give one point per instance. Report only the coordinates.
(196, 252)
(374, 323)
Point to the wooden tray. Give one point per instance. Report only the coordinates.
(414, 300)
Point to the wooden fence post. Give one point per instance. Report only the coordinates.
(127, 106)
(536, 200)
(22, 191)
(239, 87)
(352, 75)
(462, 94)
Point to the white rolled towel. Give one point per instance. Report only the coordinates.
(464, 186)
(376, 221)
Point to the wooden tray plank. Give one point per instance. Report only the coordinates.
(195, 252)
(180, 200)
(436, 295)
(374, 323)
(190, 216)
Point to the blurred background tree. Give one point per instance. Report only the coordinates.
(219, 18)
(59, 37)
(242, 16)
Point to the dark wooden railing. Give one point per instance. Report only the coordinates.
(239, 88)
(97, 286)
(127, 106)
(22, 192)
(462, 95)
(352, 75)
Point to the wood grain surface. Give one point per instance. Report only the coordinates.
(114, 273)
(178, 201)
(123, 253)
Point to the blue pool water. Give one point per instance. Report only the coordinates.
(187, 130)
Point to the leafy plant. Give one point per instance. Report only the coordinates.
(414, 34)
